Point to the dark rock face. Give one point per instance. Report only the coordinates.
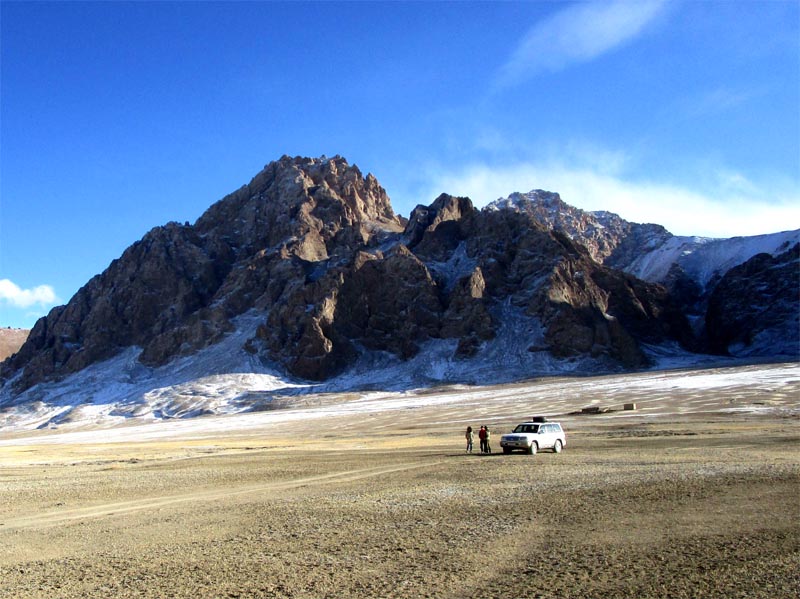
(584, 307)
(314, 249)
(690, 269)
(156, 291)
(756, 306)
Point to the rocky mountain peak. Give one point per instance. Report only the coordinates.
(427, 219)
(689, 267)
(303, 204)
(608, 238)
(175, 291)
(755, 308)
(310, 269)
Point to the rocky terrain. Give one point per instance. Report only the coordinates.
(755, 303)
(690, 268)
(307, 273)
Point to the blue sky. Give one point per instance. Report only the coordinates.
(118, 117)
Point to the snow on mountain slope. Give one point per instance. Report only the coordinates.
(226, 379)
(705, 259)
(646, 251)
(256, 310)
(121, 387)
(728, 390)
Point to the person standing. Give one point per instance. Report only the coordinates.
(482, 438)
(486, 441)
(469, 439)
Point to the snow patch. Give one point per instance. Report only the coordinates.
(225, 379)
(704, 259)
(458, 266)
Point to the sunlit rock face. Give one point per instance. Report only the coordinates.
(312, 251)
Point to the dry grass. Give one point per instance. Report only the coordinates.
(700, 504)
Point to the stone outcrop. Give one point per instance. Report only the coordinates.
(756, 307)
(609, 239)
(688, 267)
(313, 251)
(157, 290)
(175, 291)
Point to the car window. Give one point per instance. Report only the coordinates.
(525, 428)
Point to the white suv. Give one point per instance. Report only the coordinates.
(533, 436)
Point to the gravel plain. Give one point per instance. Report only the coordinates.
(689, 499)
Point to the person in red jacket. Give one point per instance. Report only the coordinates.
(482, 437)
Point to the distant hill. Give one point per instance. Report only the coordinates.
(11, 340)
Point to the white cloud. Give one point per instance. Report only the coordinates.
(577, 34)
(11, 293)
(720, 100)
(738, 207)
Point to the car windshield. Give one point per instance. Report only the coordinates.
(527, 428)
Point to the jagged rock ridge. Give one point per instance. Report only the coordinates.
(609, 239)
(690, 268)
(755, 308)
(176, 290)
(312, 251)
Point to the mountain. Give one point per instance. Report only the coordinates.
(307, 274)
(755, 307)
(690, 267)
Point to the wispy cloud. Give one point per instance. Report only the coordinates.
(14, 295)
(577, 34)
(720, 100)
(737, 207)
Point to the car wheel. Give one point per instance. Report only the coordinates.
(506, 450)
(532, 449)
(557, 446)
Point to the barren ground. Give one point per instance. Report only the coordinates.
(695, 494)
(11, 340)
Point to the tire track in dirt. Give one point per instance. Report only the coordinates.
(63, 517)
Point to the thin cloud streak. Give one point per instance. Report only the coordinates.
(577, 34)
(721, 100)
